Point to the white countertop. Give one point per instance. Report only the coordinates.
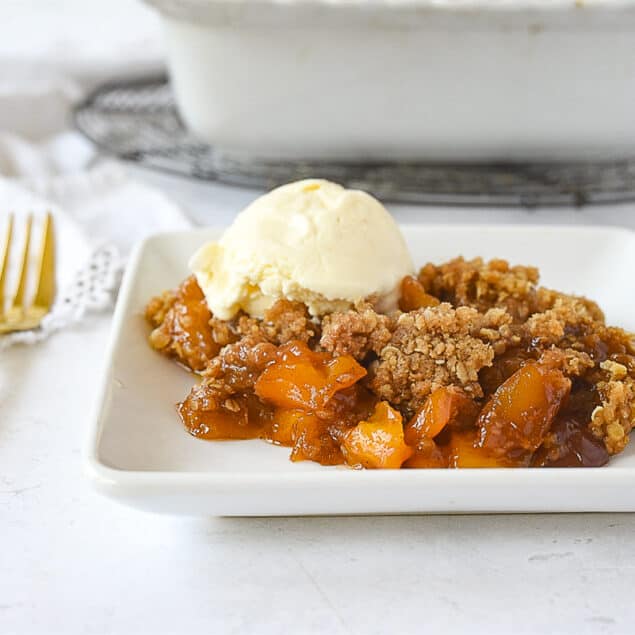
(74, 563)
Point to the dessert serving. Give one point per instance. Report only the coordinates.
(309, 327)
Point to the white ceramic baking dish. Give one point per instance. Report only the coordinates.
(455, 80)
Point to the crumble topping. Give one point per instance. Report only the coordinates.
(565, 316)
(286, 321)
(550, 299)
(483, 285)
(434, 347)
(482, 322)
(614, 418)
(571, 362)
(356, 332)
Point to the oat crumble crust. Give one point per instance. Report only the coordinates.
(283, 322)
(438, 346)
(483, 285)
(491, 319)
(356, 332)
(614, 418)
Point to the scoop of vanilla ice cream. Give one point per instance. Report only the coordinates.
(312, 241)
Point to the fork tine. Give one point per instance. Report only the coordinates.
(45, 292)
(18, 298)
(4, 261)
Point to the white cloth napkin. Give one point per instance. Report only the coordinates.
(50, 55)
(98, 216)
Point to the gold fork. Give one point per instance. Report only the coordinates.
(21, 316)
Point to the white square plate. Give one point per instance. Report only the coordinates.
(139, 453)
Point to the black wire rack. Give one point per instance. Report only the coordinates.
(136, 120)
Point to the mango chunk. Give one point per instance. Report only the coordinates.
(414, 296)
(300, 378)
(517, 417)
(379, 442)
(446, 405)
